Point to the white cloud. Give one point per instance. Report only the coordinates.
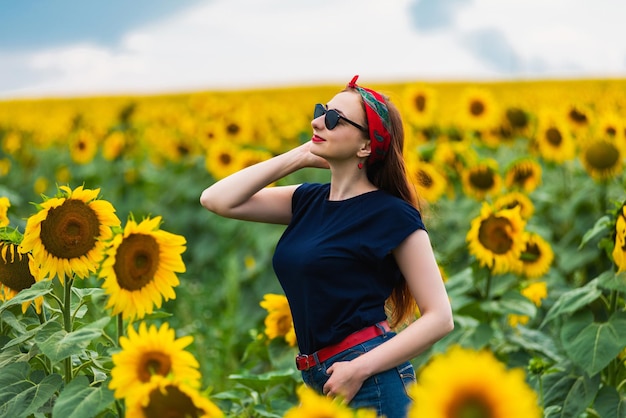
(247, 43)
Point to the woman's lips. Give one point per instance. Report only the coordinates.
(317, 139)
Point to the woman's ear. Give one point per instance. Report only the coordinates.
(365, 150)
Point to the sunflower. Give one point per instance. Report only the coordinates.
(148, 352)
(5, 204)
(602, 158)
(429, 180)
(221, 159)
(140, 268)
(482, 387)
(314, 405)
(554, 141)
(83, 147)
(17, 272)
(517, 119)
(113, 146)
(496, 238)
(419, 104)
(513, 199)
(578, 116)
(162, 397)
(248, 157)
(5, 166)
(514, 319)
(523, 174)
(479, 110)
(278, 322)
(536, 257)
(67, 236)
(619, 250)
(536, 292)
(482, 179)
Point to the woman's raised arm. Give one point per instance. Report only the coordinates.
(244, 195)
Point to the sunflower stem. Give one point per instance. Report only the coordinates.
(67, 322)
(488, 286)
(120, 328)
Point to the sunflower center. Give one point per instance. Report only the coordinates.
(602, 155)
(517, 118)
(611, 131)
(531, 254)
(284, 324)
(482, 179)
(493, 235)
(70, 230)
(477, 108)
(471, 407)
(171, 403)
(424, 179)
(14, 272)
(554, 137)
(578, 116)
(136, 261)
(420, 102)
(154, 363)
(232, 129)
(225, 158)
(521, 174)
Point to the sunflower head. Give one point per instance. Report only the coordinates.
(278, 322)
(17, 272)
(523, 174)
(479, 109)
(482, 387)
(140, 267)
(162, 397)
(602, 158)
(5, 204)
(536, 257)
(314, 405)
(152, 352)
(619, 249)
(68, 234)
(496, 238)
(482, 179)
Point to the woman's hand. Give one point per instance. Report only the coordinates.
(345, 381)
(310, 159)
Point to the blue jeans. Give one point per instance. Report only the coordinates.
(384, 392)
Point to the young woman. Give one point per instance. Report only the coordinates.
(355, 253)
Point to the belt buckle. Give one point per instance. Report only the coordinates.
(302, 361)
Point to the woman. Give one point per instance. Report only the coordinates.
(355, 251)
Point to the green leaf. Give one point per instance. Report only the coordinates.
(572, 393)
(573, 300)
(261, 382)
(600, 229)
(38, 289)
(20, 396)
(80, 400)
(613, 281)
(592, 345)
(62, 344)
(609, 403)
(46, 328)
(535, 341)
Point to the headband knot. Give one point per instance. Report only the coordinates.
(377, 114)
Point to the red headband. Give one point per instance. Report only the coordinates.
(377, 115)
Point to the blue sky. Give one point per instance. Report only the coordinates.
(73, 47)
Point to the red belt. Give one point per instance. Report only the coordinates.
(306, 361)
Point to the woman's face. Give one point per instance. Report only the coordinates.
(344, 140)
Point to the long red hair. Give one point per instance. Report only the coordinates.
(391, 175)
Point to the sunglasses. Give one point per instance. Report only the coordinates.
(332, 117)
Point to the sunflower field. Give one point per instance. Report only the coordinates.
(121, 296)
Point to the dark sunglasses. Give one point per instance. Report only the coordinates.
(332, 117)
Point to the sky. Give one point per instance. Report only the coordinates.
(77, 48)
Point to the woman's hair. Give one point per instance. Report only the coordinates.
(391, 175)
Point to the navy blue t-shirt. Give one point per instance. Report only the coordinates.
(334, 261)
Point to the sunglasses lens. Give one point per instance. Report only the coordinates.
(319, 111)
(331, 117)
